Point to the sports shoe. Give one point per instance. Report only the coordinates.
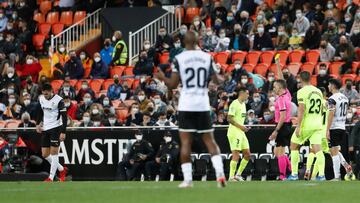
(48, 180)
(221, 182)
(307, 175)
(186, 184)
(349, 177)
(62, 174)
(293, 177)
(236, 178)
(320, 178)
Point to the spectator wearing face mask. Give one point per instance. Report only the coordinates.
(59, 58)
(150, 51)
(268, 117)
(29, 107)
(86, 121)
(85, 89)
(163, 121)
(319, 14)
(345, 52)
(32, 68)
(32, 88)
(13, 109)
(96, 110)
(223, 42)
(144, 66)
(239, 41)
(84, 106)
(26, 121)
(177, 49)
(238, 71)
(327, 51)
(218, 12)
(147, 119)
(115, 89)
(120, 53)
(312, 37)
(209, 40)
(87, 63)
(111, 121)
(257, 104)
(66, 90)
(244, 82)
(160, 106)
(71, 107)
(269, 83)
(262, 40)
(323, 77)
(140, 152)
(181, 34)
(99, 69)
(73, 68)
(251, 118)
(349, 92)
(331, 33)
(355, 37)
(106, 52)
(245, 22)
(107, 104)
(162, 39)
(301, 23)
(10, 78)
(134, 117)
(197, 25)
(3, 20)
(282, 39)
(295, 41)
(229, 23)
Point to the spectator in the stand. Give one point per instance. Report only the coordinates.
(13, 109)
(12, 45)
(301, 23)
(223, 42)
(257, 104)
(348, 21)
(332, 7)
(177, 49)
(114, 90)
(219, 12)
(308, 12)
(10, 77)
(106, 52)
(323, 77)
(271, 27)
(163, 40)
(229, 23)
(134, 117)
(32, 88)
(107, 104)
(251, 118)
(356, 23)
(345, 52)
(142, 100)
(73, 68)
(26, 121)
(355, 37)
(32, 68)
(268, 117)
(319, 15)
(3, 20)
(84, 106)
(163, 121)
(262, 40)
(329, 16)
(151, 52)
(197, 25)
(269, 84)
(71, 107)
(341, 32)
(59, 58)
(111, 121)
(290, 81)
(29, 106)
(238, 70)
(327, 51)
(295, 40)
(349, 92)
(244, 82)
(312, 36)
(245, 22)
(218, 25)
(331, 32)
(239, 41)
(160, 106)
(99, 69)
(85, 89)
(210, 40)
(181, 34)
(120, 53)
(147, 119)
(66, 90)
(144, 66)
(282, 40)
(87, 63)
(86, 121)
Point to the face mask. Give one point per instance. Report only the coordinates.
(349, 116)
(322, 72)
(166, 46)
(11, 102)
(138, 137)
(113, 38)
(112, 121)
(1, 15)
(244, 81)
(229, 18)
(260, 30)
(257, 99)
(146, 46)
(97, 59)
(357, 15)
(150, 109)
(167, 139)
(272, 108)
(1, 38)
(209, 33)
(196, 23)
(82, 56)
(66, 89)
(10, 91)
(29, 61)
(22, 4)
(280, 33)
(96, 123)
(237, 66)
(141, 98)
(272, 99)
(267, 117)
(106, 102)
(86, 119)
(87, 101)
(95, 111)
(62, 49)
(222, 35)
(157, 101)
(330, 6)
(26, 102)
(152, 86)
(298, 15)
(9, 27)
(67, 104)
(162, 34)
(356, 32)
(177, 45)
(271, 79)
(10, 75)
(259, 18)
(84, 87)
(347, 20)
(183, 31)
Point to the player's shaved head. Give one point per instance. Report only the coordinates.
(190, 40)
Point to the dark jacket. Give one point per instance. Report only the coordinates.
(168, 152)
(73, 69)
(144, 67)
(263, 42)
(99, 70)
(354, 138)
(312, 39)
(141, 147)
(243, 42)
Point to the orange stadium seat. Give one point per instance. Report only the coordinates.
(130, 81)
(248, 67)
(283, 57)
(96, 85)
(136, 83)
(312, 56)
(357, 79)
(122, 114)
(345, 77)
(296, 56)
(52, 17)
(66, 18)
(45, 7)
(357, 51)
(261, 69)
(273, 68)
(79, 16)
(238, 55)
(73, 82)
(334, 67)
(266, 57)
(2, 124)
(117, 70)
(57, 28)
(107, 83)
(44, 29)
(38, 41)
(221, 57)
(129, 71)
(230, 68)
(314, 80)
(39, 17)
(164, 58)
(355, 66)
(253, 57)
(129, 102)
(294, 68)
(308, 66)
(12, 124)
(87, 72)
(56, 85)
(191, 13)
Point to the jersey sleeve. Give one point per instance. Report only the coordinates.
(175, 66)
(301, 97)
(282, 103)
(331, 104)
(232, 109)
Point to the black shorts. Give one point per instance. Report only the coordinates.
(51, 137)
(284, 135)
(336, 137)
(199, 122)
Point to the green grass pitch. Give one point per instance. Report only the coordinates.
(167, 192)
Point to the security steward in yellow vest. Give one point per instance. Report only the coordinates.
(120, 53)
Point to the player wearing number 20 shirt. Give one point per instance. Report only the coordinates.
(195, 68)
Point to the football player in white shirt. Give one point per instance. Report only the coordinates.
(195, 69)
(51, 123)
(338, 105)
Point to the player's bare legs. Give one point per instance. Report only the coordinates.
(213, 148)
(185, 152)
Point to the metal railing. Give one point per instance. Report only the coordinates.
(150, 32)
(78, 34)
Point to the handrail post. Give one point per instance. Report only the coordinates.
(130, 48)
